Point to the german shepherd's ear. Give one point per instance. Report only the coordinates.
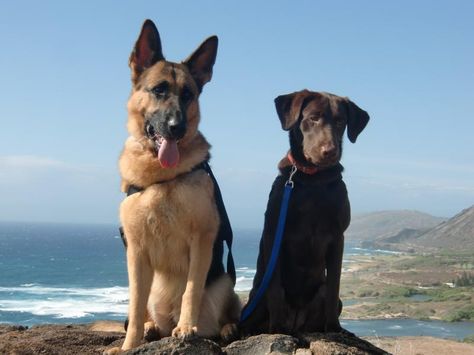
(357, 119)
(147, 50)
(289, 108)
(202, 60)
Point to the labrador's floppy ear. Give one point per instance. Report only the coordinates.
(357, 119)
(289, 108)
(201, 61)
(147, 50)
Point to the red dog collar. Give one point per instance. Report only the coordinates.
(310, 170)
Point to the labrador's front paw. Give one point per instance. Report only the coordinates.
(333, 327)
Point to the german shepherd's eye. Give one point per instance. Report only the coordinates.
(186, 95)
(161, 89)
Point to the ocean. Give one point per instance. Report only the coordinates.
(66, 273)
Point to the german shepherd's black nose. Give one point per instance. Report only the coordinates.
(177, 126)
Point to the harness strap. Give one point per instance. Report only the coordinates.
(225, 229)
(250, 307)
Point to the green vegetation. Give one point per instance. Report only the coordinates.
(461, 260)
(466, 279)
(367, 293)
(396, 291)
(469, 339)
(413, 286)
(443, 294)
(465, 313)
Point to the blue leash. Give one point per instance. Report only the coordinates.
(247, 311)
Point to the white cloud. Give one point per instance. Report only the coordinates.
(38, 188)
(30, 167)
(29, 162)
(406, 182)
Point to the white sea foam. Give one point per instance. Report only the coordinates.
(244, 280)
(243, 283)
(77, 291)
(393, 327)
(372, 251)
(62, 302)
(77, 302)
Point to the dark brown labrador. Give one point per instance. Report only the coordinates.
(303, 294)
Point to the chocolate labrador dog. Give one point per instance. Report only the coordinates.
(303, 294)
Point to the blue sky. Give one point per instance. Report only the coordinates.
(66, 82)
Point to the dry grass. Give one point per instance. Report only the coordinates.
(421, 346)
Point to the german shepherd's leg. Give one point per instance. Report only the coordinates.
(151, 331)
(160, 307)
(230, 316)
(220, 310)
(199, 264)
(140, 276)
(334, 265)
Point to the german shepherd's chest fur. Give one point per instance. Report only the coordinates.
(169, 222)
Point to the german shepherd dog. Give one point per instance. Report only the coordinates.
(171, 224)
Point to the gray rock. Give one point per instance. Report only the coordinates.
(263, 344)
(340, 344)
(176, 346)
(54, 339)
(302, 351)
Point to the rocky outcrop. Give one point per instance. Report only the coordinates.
(86, 339)
(263, 344)
(54, 340)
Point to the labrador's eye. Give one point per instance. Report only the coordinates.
(306, 125)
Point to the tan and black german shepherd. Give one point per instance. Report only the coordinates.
(172, 222)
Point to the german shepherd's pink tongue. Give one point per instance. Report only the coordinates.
(168, 153)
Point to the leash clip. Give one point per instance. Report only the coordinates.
(290, 182)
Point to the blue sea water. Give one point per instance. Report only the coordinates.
(65, 273)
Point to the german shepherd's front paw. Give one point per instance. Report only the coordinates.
(151, 332)
(184, 331)
(229, 332)
(112, 351)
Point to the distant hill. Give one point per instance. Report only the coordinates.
(390, 224)
(456, 233)
(414, 231)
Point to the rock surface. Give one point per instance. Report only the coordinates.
(263, 344)
(54, 339)
(89, 339)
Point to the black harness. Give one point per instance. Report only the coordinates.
(224, 233)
